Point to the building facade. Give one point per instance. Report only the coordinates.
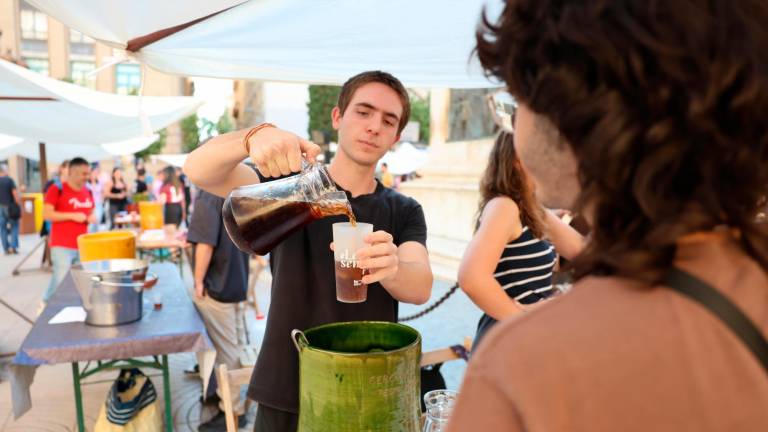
(43, 44)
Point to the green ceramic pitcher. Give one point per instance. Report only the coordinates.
(359, 376)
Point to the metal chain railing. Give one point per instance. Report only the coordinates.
(431, 307)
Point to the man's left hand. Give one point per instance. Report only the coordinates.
(380, 259)
(92, 218)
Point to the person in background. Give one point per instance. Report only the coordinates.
(116, 193)
(141, 181)
(70, 210)
(59, 177)
(96, 186)
(386, 177)
(9, 226)
(508, 264)
(172, 196)
(187, 192)
(649, 118)
(220, 282)
(157, 183)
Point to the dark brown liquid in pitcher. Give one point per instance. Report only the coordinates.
(264, 223)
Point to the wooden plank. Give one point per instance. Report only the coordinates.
(444, 354)
(222, 374)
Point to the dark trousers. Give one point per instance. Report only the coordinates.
(274, 420)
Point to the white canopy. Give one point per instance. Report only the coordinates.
(405, 159)
(58, 152)
(38, 108)
(176, 160)
(425, 43)
(115, 22)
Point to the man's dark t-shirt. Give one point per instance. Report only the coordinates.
(7, 185)
(304, 290)
(226, 280)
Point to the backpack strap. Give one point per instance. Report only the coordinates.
(704, 294)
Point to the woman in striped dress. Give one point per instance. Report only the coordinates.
(508, 264)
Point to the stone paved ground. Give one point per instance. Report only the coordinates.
(52, 393)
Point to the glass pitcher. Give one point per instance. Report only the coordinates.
(258, 217)
(439, 406)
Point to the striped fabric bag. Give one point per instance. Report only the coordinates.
(131, 405)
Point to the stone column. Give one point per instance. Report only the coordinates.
(248, 108)
(11, 26)
(448, 188)
(58, 49)
(105, 79)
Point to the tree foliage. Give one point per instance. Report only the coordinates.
(322, 99)
(154, 148)
(420, 113)
(190, 133)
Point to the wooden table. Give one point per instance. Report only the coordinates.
(127, 221)
(162, 249)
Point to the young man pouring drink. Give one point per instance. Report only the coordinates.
(373, 109)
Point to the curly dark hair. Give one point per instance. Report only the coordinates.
(504, 176)
(665, 105)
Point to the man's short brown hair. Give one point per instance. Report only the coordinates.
(361, 79)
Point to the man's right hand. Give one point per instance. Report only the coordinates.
(277, 153)
(79, 217)
(199, 290)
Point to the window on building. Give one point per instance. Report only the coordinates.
(38, 65)
(127, 79)
(34, 24)
(81, 45)
(77, 37)
(79, 73)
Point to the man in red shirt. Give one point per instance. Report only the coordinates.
(70, 210)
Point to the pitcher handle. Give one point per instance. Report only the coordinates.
(305, 165)
(300, 342)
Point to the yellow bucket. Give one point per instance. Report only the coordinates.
(107, 245)
(151, 215)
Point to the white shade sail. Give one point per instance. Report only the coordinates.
(405, 159)
(115, 22)
(176, 160)
(425, 43)
(38, 108)
(58, 152)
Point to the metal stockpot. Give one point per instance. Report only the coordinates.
(111, 290)
(359, 376)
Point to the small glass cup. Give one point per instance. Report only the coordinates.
(347, 240)
(157, 300)
(439, 406)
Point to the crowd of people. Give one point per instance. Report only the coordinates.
(81, 198)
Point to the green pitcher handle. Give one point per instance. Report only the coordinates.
(298, 338)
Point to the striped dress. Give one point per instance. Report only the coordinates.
(524, 272)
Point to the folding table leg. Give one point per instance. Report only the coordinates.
(78, 397)
(167, 392)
